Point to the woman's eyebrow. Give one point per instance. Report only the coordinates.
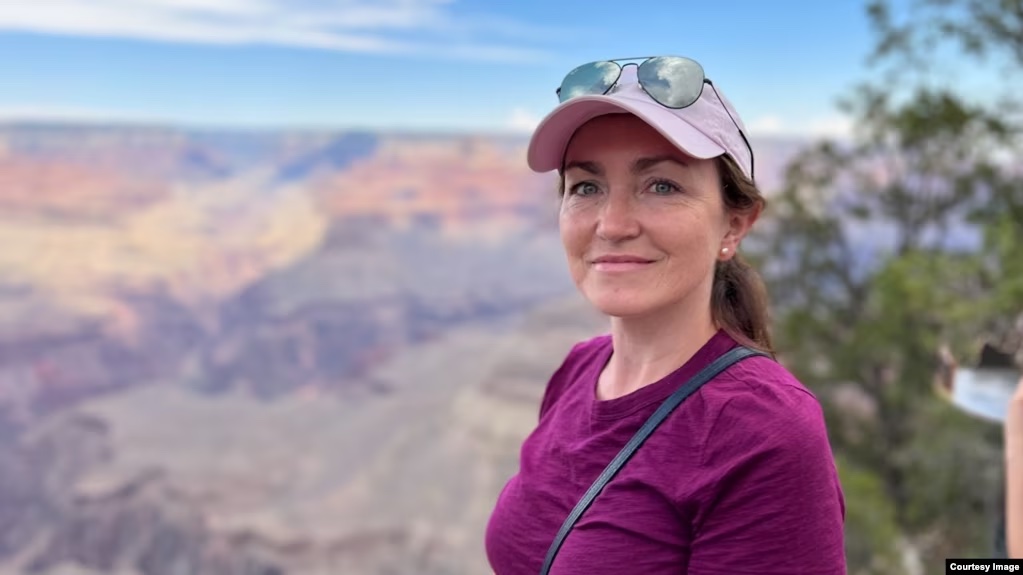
(638, 166)
(644, 164)
(591, 167)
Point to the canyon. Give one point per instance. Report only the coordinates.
(259, 353)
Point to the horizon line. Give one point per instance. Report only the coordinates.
(209, 127)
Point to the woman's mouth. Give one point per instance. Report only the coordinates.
(620, 263)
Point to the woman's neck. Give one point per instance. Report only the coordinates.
(647, 348)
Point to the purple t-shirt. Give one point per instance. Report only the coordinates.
(740, 479)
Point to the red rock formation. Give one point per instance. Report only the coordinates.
(70, 189)
(449, 183)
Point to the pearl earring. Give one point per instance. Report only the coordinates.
(724, 250)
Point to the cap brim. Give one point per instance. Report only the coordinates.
(551, 137)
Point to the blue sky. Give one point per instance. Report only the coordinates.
(452, 65)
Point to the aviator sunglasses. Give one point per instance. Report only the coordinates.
(672, 81)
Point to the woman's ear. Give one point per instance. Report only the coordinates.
(739, 224)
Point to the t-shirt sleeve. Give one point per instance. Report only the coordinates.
(772, 503)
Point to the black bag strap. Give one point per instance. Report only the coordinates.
(706, 374)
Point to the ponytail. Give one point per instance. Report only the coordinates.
(739, 298)
(738, 304)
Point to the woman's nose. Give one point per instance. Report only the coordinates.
(617, 218)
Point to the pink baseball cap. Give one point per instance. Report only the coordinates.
(702, 130)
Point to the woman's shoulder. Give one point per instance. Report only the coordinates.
(583, 354)
(764, 379)
(758, 398)
(589, 349)
(768, 481)
(582, 357)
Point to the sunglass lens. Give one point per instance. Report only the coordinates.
(673, 81)
(589, 79)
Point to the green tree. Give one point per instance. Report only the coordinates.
(881, 249)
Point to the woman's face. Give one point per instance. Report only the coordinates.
(642, 223)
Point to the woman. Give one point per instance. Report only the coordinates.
(656, 197)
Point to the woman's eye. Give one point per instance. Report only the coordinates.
(584, 189)
(664, 188)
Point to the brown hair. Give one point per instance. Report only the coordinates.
(738, 298)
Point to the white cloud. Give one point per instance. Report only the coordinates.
(766, 125)
(521, 120)
(374, 26)
(827, 126)
(43, 113)
(98, 115)
(831, 126)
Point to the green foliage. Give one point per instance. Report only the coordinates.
(871, 530)
(881, 250)
(979, 27)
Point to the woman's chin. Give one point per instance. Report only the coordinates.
(621, 305)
